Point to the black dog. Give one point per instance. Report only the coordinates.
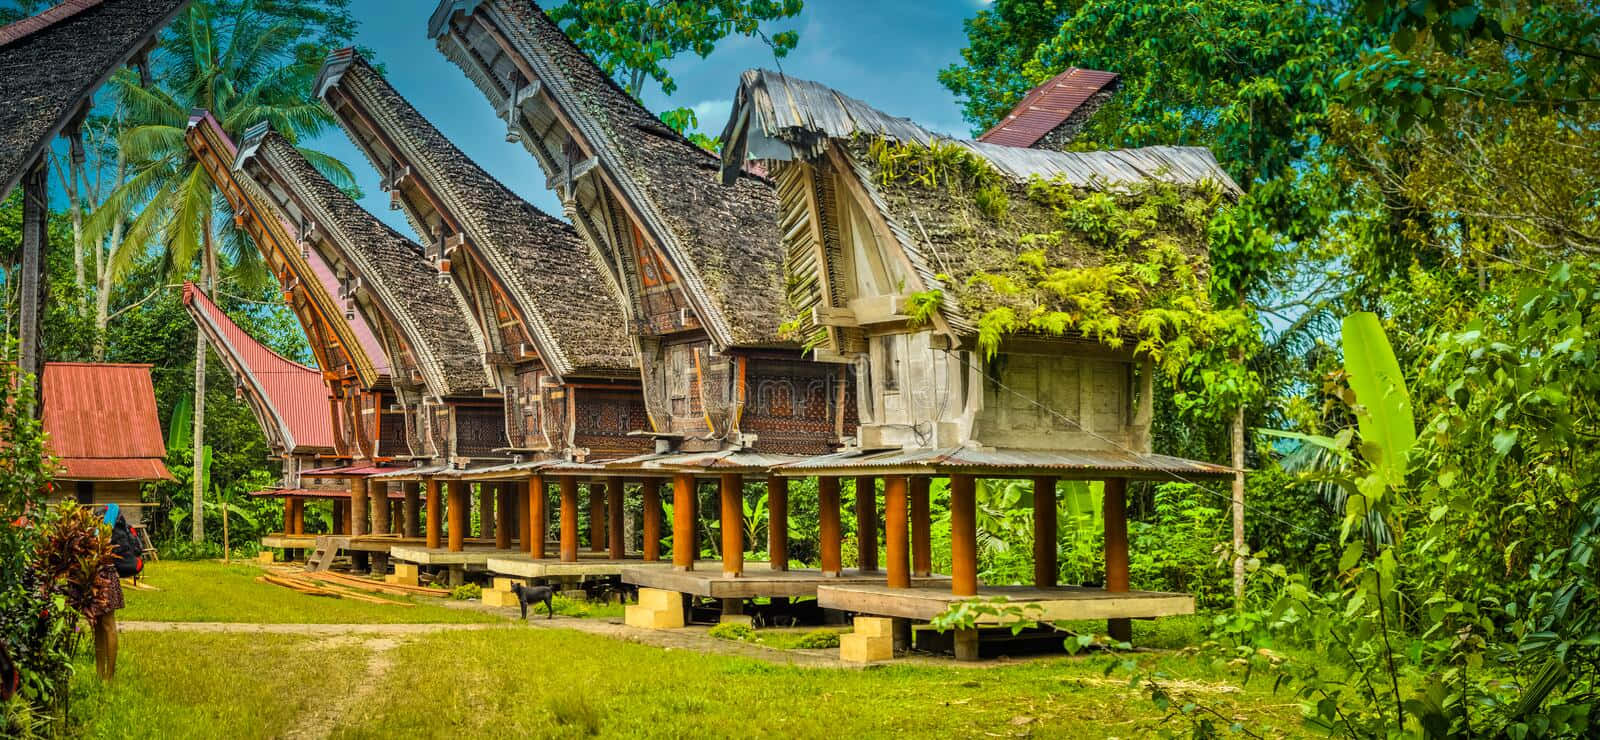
(533, 595)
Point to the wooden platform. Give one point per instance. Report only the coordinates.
(926, 601)
(476, 554)
(364, 543)
(758, 580)
(589, 564)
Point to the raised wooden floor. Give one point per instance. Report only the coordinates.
(476, 553)
(589, 564)
(926, 601)
(364, 543)
(758, 580)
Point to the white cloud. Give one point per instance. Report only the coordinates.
(712, 114)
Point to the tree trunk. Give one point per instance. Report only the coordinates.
(35, 234)
(102, 275)
(206, 279)
(1238, 508)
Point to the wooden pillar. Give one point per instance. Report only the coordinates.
(358, 506)
(1116, 518)
(397, 515)
(921, 523)
(533, 536)
(485, 511)
(300, 516)
(1044, 532)
(459, 514)
(569, 519)
(504, 513)
(379, 492)
(341, 520)
(288, 515)
(435, 513)
(617, 544)
(651, 492)
(409, 510)
(732, 493)
(828, 524)
(867, 523)
(597, 517)
(963, 535)
(896, 544)
(683, 544)
(778, 522)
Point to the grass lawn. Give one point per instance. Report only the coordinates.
(521, 681)
(208, 591)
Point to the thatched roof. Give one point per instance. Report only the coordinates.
(723, 242)
(392, 268)
(948, 236)
(51, 64)
(543, 264)
(779, 117)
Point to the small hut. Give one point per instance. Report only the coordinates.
(103, 430)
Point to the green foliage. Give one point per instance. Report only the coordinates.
(818, 639)
(466, 592)
(632, 40)
(734, 631)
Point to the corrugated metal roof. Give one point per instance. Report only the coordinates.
(102, 421)
(320, 493)
(346, 471)
(1047, 106)
(779, 117)
(1080, 463)
(294, 395)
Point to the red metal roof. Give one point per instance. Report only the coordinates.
(394, 492)
(44, 19)
(293, 395)
(102, 422)
(1048, 106)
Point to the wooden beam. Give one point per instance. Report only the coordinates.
(921, 524)
(683, 539)
(614, 515)
(963, 535)
(597, 517)
(408, 509)
(778, 522)
(538, 519)
(35, 241)
(485, 511)
(504, 513)
(732, 494)
(828, 524)
(458, 515)
(867, 523)
(358, 506)
(1045, 570)
(1116, 522)
(288, 515)
(897, 546)
(651, 492)
(569, 519)
(435, 513)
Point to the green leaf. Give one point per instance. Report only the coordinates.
(1384, 414)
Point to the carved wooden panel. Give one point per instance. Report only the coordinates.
(797, 406)
(603, 419)
(480, 430)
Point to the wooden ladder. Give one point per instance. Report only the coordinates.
(328, 548)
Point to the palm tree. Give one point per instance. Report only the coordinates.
(245, 64)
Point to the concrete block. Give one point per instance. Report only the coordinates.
(859, 648)
(655, 598)
(492, 597)
(875, 626)
(406, 570)
(653, 619)
(504, 584)
(400, 580)
(266, 557)
(744, 619)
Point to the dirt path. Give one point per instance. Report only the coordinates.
(304, 629)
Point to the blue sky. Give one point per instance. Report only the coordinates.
(887, 52)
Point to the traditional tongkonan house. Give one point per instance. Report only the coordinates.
(290, 403)
(700, 271)
(436, 376)
(51, 64)
(553, 343)
(369, 424)
(991, 324)
(102, 428)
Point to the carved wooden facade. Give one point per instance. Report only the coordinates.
(697, 267)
